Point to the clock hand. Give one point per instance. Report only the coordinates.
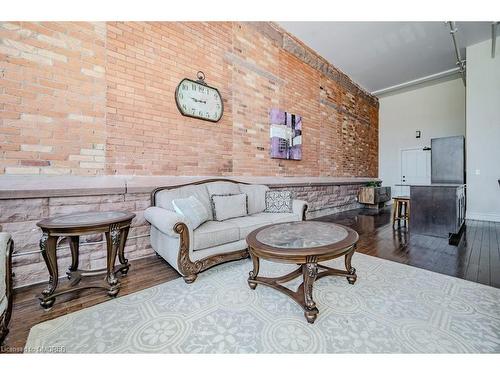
(199, 101)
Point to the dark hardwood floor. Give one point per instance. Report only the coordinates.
(476, 258)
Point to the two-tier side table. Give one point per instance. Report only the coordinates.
(114, 224)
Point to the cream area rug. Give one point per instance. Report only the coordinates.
(392, 308)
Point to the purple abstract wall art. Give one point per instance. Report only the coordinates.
(285, 134)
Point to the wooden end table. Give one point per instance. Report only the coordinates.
(305, 243)
(115, 225)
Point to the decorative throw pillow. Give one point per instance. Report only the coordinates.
(227, 206)
(278, 201)
(192, 209)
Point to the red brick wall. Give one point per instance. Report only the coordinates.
(52, 97)
(98, 98)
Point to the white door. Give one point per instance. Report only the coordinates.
(415, 169)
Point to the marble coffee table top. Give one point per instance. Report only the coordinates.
(301, 234)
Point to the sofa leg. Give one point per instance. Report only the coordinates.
(304, 213)
(190, 278)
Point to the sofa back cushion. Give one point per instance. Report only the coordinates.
(228, 206)
(165, 197)
(256, 197)
(222, 188)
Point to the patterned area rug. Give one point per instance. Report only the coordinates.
(392, 308)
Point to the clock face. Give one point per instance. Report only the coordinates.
(195, 99)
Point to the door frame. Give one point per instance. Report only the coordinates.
(401, 159)
(401, 150)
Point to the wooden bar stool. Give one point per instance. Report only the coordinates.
(401, 211)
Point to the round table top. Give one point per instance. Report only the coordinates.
(86, 219)
(301, 238)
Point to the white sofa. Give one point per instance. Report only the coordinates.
(213, 242)
(6, 248)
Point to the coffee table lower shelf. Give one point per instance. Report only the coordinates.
(310, 271)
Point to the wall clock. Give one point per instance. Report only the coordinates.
(197, 99)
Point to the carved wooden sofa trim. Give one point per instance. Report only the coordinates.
(191, 269)
(6, 314)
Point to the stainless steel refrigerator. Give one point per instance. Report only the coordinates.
(448, 160)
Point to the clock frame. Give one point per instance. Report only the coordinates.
(200, 82)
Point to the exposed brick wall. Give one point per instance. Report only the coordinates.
(98, 98)
(19, 217)
(52, 97)
(146, 132)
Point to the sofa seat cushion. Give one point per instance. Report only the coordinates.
(214, 233)
(247, 224)
(277, 217)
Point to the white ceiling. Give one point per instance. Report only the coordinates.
(377, 55)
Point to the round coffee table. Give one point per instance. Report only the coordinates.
(114, 224)
(305, 243)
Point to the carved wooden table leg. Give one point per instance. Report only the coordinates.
(113, 244)
(309, 272)
(48, 246)
(121, 251)
(253, 274)
(290, 243)
(349, 268)
(115, 225)
(74, 245)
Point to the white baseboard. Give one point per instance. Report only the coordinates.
(482, 216)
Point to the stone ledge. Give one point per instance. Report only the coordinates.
(15, 187)
(145, 184)
(18, 187)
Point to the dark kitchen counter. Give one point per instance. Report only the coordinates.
(437, 209)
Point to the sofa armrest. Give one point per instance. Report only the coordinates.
(299, 207)
(164, 220)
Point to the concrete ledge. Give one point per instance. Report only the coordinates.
(145, 184)
(16, 187)
(12, 187)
